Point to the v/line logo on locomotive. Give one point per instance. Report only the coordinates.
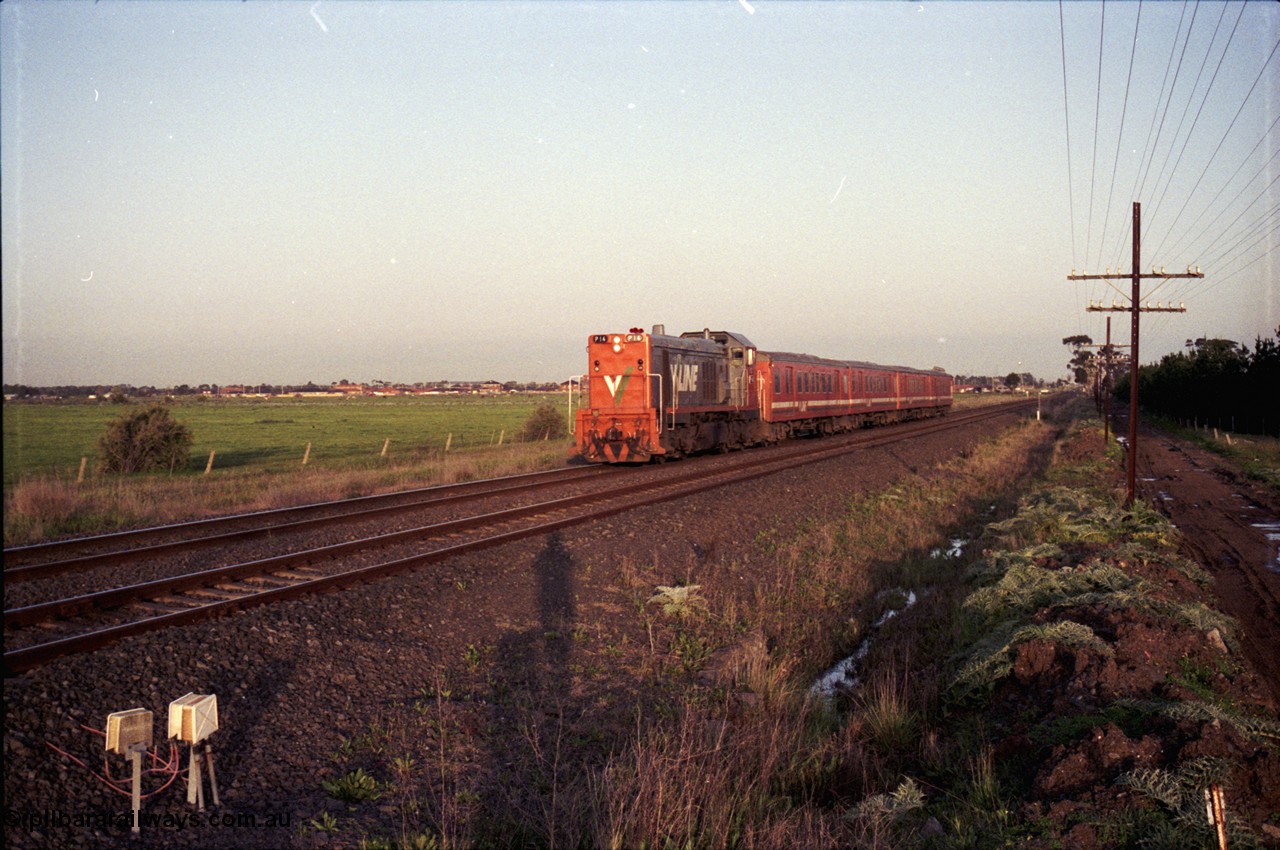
(684, 379)
(654, 396)
(617, 384)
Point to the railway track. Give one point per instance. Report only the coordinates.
(43, 631)
(26, 563)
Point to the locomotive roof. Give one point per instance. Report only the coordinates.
(722, 337)
(856, 364)
(698, 340)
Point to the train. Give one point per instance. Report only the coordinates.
(653, 397)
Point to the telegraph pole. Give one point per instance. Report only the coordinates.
(1135, 309)
(1102, 380)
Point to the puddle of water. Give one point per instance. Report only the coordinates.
(1271, 531)
(954, 550)
(844, 675)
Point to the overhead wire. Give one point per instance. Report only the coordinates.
(1183, 283)
(1195, 122)
(1214, 259)
(1155, 210)
(1066, 113)
(1178, 246)
(1147, 146)
(1235, 118)
(1115, 165)
(1097, 111)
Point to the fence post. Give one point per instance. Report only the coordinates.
(208, 466)
(385, 443)
(448, 442)
(306, 456)
(80, 475)
(502, 434)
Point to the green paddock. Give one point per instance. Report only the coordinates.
(272, 434)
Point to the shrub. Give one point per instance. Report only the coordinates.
(547, 422)
(146, 441)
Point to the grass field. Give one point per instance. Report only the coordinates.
(272, 434)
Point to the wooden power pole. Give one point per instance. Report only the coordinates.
(1135, 309)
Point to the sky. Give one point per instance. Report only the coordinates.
(283, 192)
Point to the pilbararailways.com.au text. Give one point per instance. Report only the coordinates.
(122, 821)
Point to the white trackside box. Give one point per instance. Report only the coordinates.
(193, 718)
(126, 729)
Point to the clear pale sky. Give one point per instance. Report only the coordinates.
(218, 192)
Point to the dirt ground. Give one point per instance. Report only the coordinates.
(1224, 519)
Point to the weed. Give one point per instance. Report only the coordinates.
(325, 823)
(1265, 730)
(471, 657)
(691, 649)
(679, 601)
(884, 708)
(991, 659)
(1182, 794)
(354, 787)
(882, 810)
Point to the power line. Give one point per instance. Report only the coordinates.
(1115, 165)
(1183, 118)
(1240, 110)
(1265, 135)
(1066, 113)
(1148, 147)
(1097, 107)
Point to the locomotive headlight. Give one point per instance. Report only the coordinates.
(617, 344)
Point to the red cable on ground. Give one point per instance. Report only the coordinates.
(169, 766)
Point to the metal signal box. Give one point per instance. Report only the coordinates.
(193, 718)
(127, 729)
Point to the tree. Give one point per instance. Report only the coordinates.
(1082, 360)
(1012, 380)
(146, 441)
(547, 422)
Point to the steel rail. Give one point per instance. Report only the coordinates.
(383, 504)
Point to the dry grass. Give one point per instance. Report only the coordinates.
(764, 763)
(45, 508)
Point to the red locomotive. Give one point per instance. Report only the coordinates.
(653, 396)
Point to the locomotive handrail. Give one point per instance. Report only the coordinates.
(658, 376)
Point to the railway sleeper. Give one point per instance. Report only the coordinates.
(252, 583)
(181, 602)
(295, 576)
(159, 608)
(217, 593)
